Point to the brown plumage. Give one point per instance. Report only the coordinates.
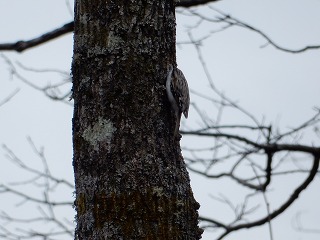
(178, 94)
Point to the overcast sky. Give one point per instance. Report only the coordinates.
(281, 87)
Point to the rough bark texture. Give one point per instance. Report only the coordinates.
(131, 181)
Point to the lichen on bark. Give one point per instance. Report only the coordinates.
(101, 132)
(131, 181)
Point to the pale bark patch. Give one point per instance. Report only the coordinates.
(101, 131)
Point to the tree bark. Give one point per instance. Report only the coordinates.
(131, 180)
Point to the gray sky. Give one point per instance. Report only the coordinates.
(279, 86)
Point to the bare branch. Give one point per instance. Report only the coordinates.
(232, 21)
(265, 201)
(298, 225)
(224, 99)
(23, 45)
(48, 214)
(52, 91)
(14, 159)
(239, 23)
(267, 147)
(284, 206)
(8, 98)
(25, 197)
(192, 3)
(311, 122)
(20, 46)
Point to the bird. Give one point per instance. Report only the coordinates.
(178, 94)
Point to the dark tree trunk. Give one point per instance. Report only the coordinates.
(131, 181)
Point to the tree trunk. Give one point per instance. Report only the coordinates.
(131, 180)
